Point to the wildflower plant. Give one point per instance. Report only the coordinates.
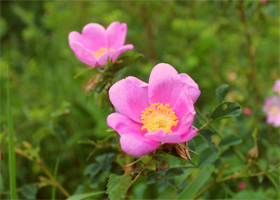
(156, 135)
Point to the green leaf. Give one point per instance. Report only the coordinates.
(29, 191)
(118, 185)
(86, 195)
(124, 61)
(206, 157)
(191, 145)
(230, 140)
(260, 178)
(197, 183)
(93, 169)
(274, 179)
(221, 92)
(168, 193)
(226, 110)
(151, 177)
(12, 157)
(206, 135)
(86, 141)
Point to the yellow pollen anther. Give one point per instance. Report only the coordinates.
(101, 51)
(159, 116)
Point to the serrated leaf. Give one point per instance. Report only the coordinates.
(206, 135)
(118, 185)
(197, 183)
(221, 92)
(206, 157)
(29, 191)
(230, 140)
(151, 177)
(86, 195)
(226, 110)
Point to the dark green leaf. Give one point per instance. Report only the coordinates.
(206, 135)
(29, 191)
(173, 172)
(260, 178)
(196, 121)
(151, 177)
(206, 157)
(93, 169)
(197, 183)
(191, 145)
(221, 92)
(274, 179)
(228, 154)
(218, 163)
(86, 195)
(118, 185)
(230, 140)
(226, 110)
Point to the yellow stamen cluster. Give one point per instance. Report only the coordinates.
(101, 51)
(159, 116)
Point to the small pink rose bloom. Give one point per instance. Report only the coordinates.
(161, 111)
(242, 185)
(276, 87)
(263, 1)
(95, 44)
(247, 111)
(272, 110)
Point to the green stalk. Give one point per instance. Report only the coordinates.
(12, 157)
(54, 179)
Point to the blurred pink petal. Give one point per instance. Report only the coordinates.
(272, 110)
(247, 111)
(116, 33)
(276, 86)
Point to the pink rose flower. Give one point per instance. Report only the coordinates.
(247, 111)
(263, 1)
(161, 111)
(272, 110)
(276, 87)
(95, 44)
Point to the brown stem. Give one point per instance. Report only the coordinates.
(52, 178)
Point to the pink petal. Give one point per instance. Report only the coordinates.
(116, 33)
(102, 60)
(83, 54)
(174, 137)
(74, 36)
(165, 85)
(130, 97)
(137, 145)
(185, 112)
(124, 125)
(94, 37)
(120, 51)
(193, 88)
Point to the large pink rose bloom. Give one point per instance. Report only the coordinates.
(161, 111)
(272, 110)
(95, 44)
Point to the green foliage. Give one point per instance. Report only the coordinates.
(206, 135)
(118, 185)
(226, 110)
(230, 140)
(85, 196)
(190, 191)
(29, 191)
(221, 92)
(207, 157)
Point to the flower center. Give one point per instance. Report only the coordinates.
(158, 116)
(273, 110)
(101, 51)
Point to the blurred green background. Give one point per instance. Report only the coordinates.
(206, 39)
